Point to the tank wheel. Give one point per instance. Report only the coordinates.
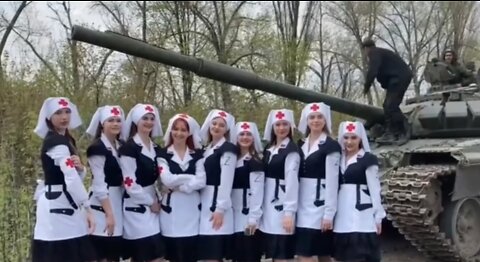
(460, 222)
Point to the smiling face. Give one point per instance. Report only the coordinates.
(180, 131)
(281, 129)
(316, 122)
(245, 140)
(218, 128)
(61, 119)
(112, 126)
(351, 143)
(146, 123)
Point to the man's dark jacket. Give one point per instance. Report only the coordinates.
(385, 65)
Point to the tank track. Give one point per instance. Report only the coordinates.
(404, 197)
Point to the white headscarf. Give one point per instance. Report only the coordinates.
(193, 126)
(275, 116)
(136, 113)
(49, 107)
(102, 114)
(252, 128)
(312, 108)
(357, 128)
(229, 119)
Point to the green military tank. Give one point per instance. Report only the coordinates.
(431, 183)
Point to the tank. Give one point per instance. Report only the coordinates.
(430, 184)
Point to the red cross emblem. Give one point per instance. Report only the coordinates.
(314, 107)
(128, 181)
(223, 114)
(245, 126)
(280, 115)
(350, 127)
(149, 108)
(115, 111)
(183, 116)
(63, 102)
(160, 169)
(70, 163)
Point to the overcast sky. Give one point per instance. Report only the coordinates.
(42, 18)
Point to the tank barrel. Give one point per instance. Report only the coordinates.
(221, 72)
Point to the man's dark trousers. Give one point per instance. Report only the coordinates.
(394, 118)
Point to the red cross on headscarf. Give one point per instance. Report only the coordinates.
(279, 115)
(63, 102)
(128, 181)
(70, 163)
(149, 108)
(314, 107)
(115, 111)
(245, 126)
(223, 114)
(160, 169)
(350, 127)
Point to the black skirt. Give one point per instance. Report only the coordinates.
(312, 242)
(110, 248)
(356, 246)
(278, 246)
(148, 248)
(214, 247)
(181, 249)
(247, 248)
(73, 250)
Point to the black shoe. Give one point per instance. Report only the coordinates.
(401, 139)
(388, 137)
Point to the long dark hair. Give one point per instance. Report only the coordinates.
(189, 141)
(99, 131)
(273, 137)
(67, 135)
(325, 129)
(210, 138)
(251, 150)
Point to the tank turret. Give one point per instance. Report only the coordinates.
(429, 184)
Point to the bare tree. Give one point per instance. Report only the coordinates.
(360, 20)
(406, 27)
(222, 21)
(182, 26)
(295, 31)
(8, 30)
(75, 71)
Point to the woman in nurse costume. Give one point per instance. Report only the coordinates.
(63, 215)
(141, 206)
(183, 174)
(247, 194)
(282, 162)
(358, 222)
(317, 201)
(220, 160)
(106, 191)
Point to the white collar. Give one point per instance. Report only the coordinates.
(148, 151)
(109, 145)
(218, 144)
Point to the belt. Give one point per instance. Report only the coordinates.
(64, 211)
(140, 209)
(56, 192)
(98, 208)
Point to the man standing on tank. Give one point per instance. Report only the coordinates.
(395, 76)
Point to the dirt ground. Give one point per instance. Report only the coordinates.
(396, 249)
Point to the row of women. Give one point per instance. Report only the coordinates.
(230, 199)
